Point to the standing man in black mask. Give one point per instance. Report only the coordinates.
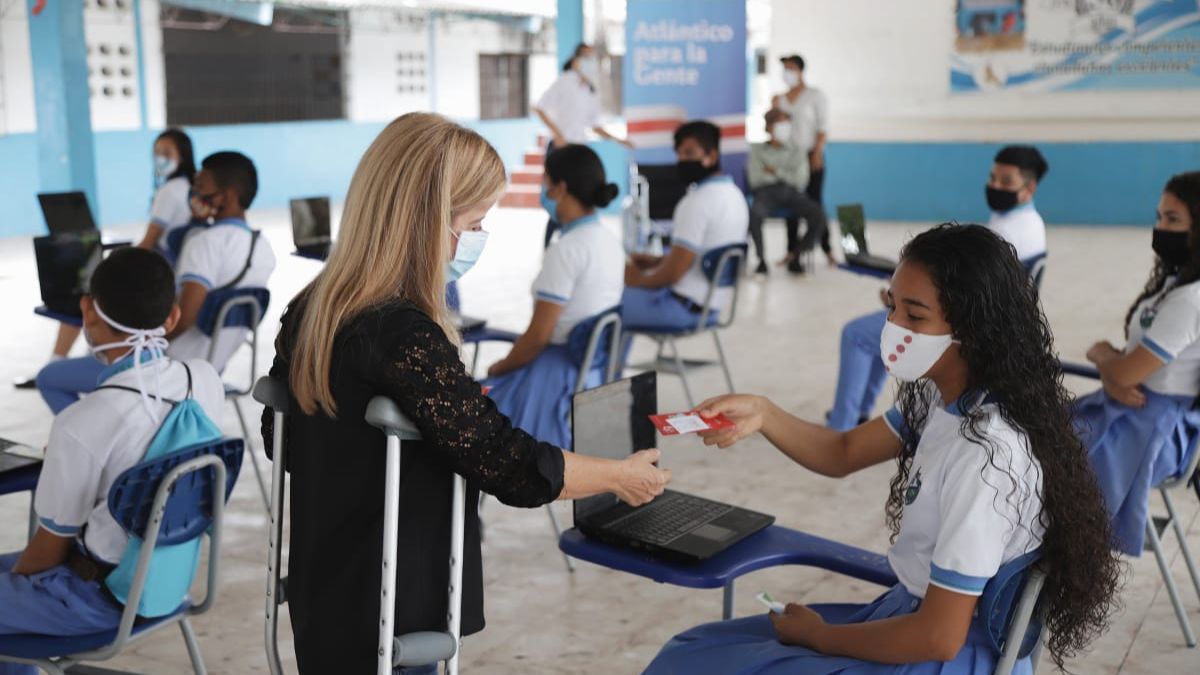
(669, 291)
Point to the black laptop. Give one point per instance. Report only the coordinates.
(853, 223)
(66, 212)
(311, 229)
(665, 188)
(15, 456)
(613, 421)
(65, 263)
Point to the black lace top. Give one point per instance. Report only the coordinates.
(337, 472)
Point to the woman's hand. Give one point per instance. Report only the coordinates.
(798, 625)
(638, 480)
(745, 411)
(1133, 397)
(1102, 351)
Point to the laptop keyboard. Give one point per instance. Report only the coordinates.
(664, 520)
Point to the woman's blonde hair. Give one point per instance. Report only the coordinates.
(394, 240)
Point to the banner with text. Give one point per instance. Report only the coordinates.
(686, 60)
(1060, 45)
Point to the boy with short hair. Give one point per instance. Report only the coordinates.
(55, 586)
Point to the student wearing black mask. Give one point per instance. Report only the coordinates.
(669, 291)
(1137, 427)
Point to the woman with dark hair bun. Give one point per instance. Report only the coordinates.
(988, 470)
(582, 275)
(1140, 428)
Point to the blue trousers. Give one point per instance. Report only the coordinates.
(654, 308)
(62, 383)
(861, 374)
(53, 602)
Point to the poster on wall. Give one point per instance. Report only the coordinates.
(686, 60)
(1075, 45)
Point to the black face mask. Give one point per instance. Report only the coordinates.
(1172, 247)
(693, 171)
(1001, 201)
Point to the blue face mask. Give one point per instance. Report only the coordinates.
(470, 247)
(551, 205)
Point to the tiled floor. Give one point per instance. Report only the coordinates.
(784, 344)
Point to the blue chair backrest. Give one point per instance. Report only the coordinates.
(240, 316)
(452, 299)
(1036, 267)
(999, 601)
(580, 335)
(175, 239)
(728, 275)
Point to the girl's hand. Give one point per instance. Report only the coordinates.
(745, 411)
(798, 625)
(1101, 351)
(1133, 397)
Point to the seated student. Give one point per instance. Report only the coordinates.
(56, 585)
(174, 169)
(223, 255)
(1016, 173)
(988, 468)
(777, 176)
(1139, 428)
(669, 291)
(582, 275)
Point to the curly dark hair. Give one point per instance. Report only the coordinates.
(992, 307)
(1186, 188)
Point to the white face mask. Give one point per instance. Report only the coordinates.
(782, 131)
(791, 77)
(589, 68)
(908, 356)
(139, 341)
(470, 247)
(164, 167)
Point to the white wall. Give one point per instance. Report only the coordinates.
(17, 114)
(387, 64)
(885, 65)
(459, 42)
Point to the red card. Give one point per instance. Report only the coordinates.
(674, 424)
(486, 390)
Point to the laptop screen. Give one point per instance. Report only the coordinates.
(310, 221)
(613, 422)
(853, 223)
(65, 263)
(66, 212)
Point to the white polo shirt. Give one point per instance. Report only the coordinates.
(573, 106)
(809, 116)
(712, 214)
(963, 515)
(213, 257)
(1168, 324)
(584, 271)
(170, 208)
(1022, 227)
(103, 434)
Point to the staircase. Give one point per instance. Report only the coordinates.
(525, 182)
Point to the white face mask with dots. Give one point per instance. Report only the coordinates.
(908, 356)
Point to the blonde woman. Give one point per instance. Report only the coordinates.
(375, 322)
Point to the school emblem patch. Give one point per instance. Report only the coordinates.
(913, 489)
(1147, 317)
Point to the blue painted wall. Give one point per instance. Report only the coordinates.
(1088, 183)
(293, 159)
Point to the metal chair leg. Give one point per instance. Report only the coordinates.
(475, 359)
(33, 519)
(558, 533)
(724, 363)
(1182, 536)
(193, 647)
(687, 390)
(1172, 591)
(258, 472)
(727, 601)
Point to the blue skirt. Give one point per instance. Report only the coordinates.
(1132, 450)
(749, 646)
(537, 398)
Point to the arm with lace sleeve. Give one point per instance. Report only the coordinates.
(421, 371)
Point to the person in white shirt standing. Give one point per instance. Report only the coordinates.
(56, 585)
(1016, 172)
(582, 275)
(669, 292)
(225, 254)
(808, 110)
(570, 107)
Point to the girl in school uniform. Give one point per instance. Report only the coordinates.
(988, 470)
(583, 274)
(1141, 427)
(174, 170)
